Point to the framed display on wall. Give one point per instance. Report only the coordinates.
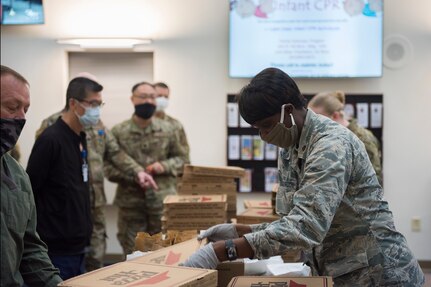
(246, 149)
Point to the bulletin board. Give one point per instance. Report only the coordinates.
(245, 148)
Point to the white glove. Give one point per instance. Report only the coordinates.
(220, 232)
(203, 258)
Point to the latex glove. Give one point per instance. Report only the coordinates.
(145, 180)
(203, 258)
(155, 168)
(220, 232)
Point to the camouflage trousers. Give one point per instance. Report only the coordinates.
(132, 220)
(94, 258)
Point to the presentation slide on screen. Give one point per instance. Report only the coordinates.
(306, 38)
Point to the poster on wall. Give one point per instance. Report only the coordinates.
(245, 182)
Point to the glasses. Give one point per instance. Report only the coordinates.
(146, 96)
(93, 104)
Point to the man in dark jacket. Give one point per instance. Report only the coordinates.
(58, 170)
(24, 257)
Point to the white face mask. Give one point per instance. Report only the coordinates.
(161, 103)
(91, 116)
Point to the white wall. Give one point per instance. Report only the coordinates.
(190, 53)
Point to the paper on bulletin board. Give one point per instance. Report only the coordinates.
(234, 147)
(258, 148)
(362, 114)
(246, 147)
(245, 181)
(349, 111)
(243, 123)
(270, 151)
(376, 115)
(232, 115)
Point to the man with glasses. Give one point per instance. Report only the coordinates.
(154, 144)
(101, 146)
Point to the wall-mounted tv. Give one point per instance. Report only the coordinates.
(21, 12)
(306, 38)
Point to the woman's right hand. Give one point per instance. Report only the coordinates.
(224, 231)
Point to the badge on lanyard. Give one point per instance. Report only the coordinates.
(84, 165)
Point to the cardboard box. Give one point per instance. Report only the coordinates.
(262, 204)
(187, 225)
(195, 201)
(193, 178)
(255, 216)
(228, 270)
(133, 274)
(227, 171)
(270, 281)
(172, 255)
(207, 188)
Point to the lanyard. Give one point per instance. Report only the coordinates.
(84, 165)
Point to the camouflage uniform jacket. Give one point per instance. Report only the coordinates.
(372, 146)
(101, 146)
(179, 128)
(332, 208)
(24, 256)
(158, 142)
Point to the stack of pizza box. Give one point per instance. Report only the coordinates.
(205, 180)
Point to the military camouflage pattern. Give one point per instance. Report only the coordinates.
(180, 130)
(15, 152)
(372, 146)
(101, 146)
(141, 210)
(333, 210)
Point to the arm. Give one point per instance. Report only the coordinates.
(326, 175)
(39, 163)
(178, 156)
(36, 267)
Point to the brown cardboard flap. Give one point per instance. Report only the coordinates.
(269, 281)
(227, 171)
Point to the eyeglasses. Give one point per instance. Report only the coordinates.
(93, 104)
(146, 96)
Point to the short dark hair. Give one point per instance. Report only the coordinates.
(79, 88)
(161, 85)
(135, 86)
(266, 93)
(8, 71)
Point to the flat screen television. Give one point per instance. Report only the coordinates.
(21, 12)
(306, 38)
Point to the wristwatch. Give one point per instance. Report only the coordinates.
(230, 250)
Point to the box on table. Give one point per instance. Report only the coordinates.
(210, 189)
(227, 270)
(205, 179)
(145, 242)
(187, 225)
(256, 216)
(262, 204)
(269, 281)
(203, 206)
(172, 255)
(132, 273)
(226, 171)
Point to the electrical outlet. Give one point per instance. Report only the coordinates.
(416, 224)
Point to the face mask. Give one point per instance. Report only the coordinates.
(280, 135)
(10, 130)
(91, 116)
(161, 103)
(145, 111)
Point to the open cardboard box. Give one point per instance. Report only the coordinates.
(269, 281)
(134, 274)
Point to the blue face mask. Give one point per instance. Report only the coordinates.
(91, 116)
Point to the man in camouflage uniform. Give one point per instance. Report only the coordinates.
(154, 144)
(162, 100)
(372, 146)
(329, 199)
(102, 146)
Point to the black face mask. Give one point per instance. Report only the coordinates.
(10, 130)
(145, 111)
